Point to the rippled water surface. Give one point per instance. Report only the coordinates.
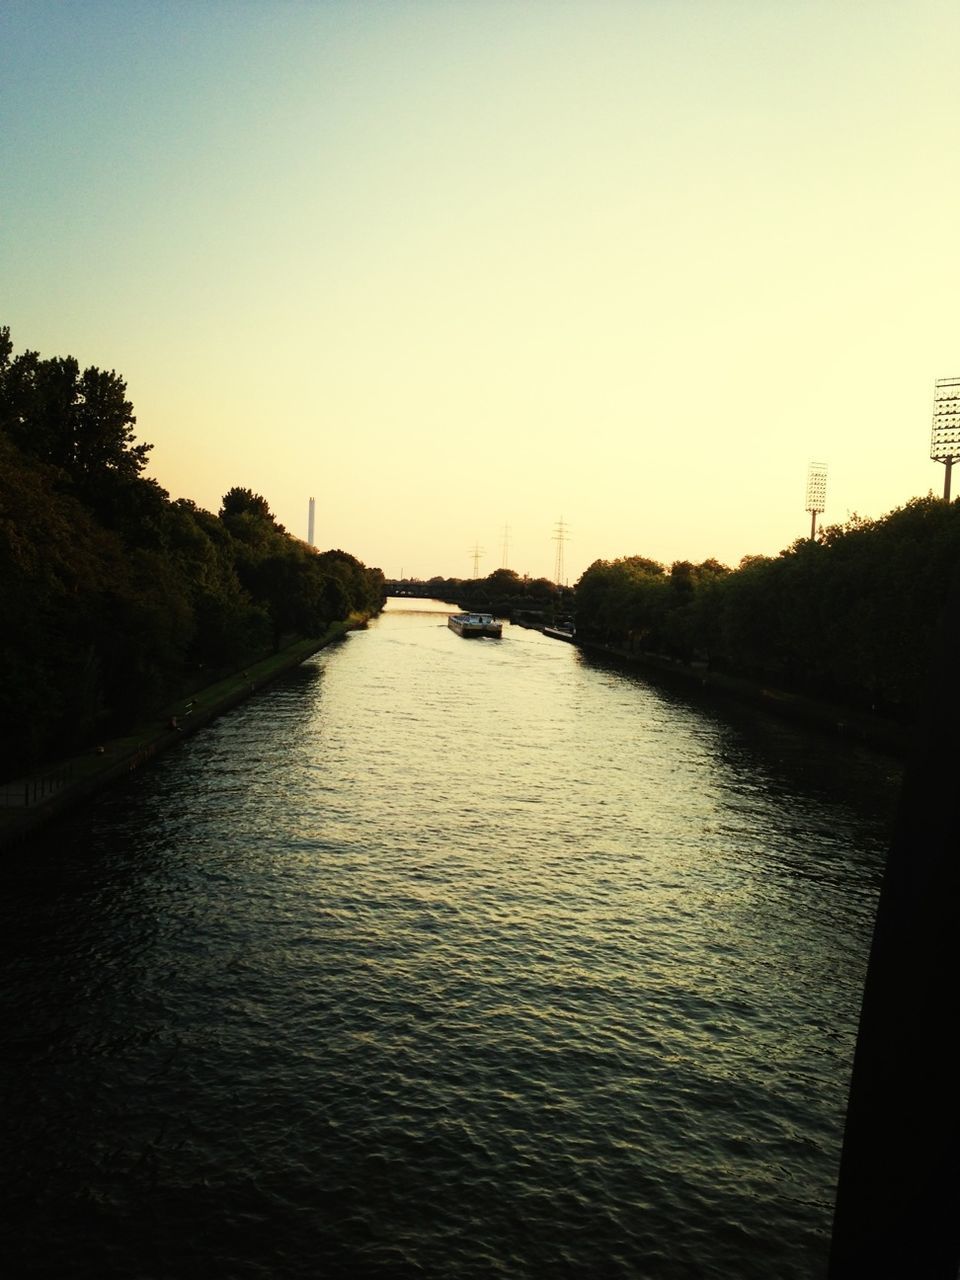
(443, 958)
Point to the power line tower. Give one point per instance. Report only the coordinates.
(816, 494)
(477, 551)
(560, 531)
(945, 440)
(506, 547)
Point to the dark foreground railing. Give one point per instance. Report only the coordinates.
(26, 792)
(898, 1204)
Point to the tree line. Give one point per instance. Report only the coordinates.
(116, 598)
(503, 592)
(849, 617)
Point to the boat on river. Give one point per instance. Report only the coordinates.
(474, 624)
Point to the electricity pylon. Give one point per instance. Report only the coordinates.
(559, 537)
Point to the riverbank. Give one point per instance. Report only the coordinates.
(872, 731)
(29, 803)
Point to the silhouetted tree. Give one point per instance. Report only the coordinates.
(239, 501)
(114, 597)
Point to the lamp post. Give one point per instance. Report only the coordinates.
(945, 439)
(816, 494)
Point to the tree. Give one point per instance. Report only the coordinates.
(103, 436)
(504, 582)
(113, 595)
(81, 423)
(239, 502)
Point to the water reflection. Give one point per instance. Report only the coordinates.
(464, 958)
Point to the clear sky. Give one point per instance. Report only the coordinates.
(451, 267)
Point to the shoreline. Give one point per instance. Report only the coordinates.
(85, 774)
(75, 780)
(859, 727)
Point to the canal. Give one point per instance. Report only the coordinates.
(444, 958)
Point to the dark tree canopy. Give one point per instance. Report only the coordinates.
(240, 502)
(116, 599)
(847, 618)
(80, 422)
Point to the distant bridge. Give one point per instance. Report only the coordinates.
(419, 590)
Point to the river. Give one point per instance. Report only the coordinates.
(444, 958)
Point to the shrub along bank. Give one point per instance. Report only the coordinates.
(849, 618)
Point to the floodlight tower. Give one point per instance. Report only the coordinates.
(816, 494)
(311, 518)
(945, 440)
(559, 537)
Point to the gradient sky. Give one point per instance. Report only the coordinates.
(456, 266)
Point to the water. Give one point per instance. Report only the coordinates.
(443, 958)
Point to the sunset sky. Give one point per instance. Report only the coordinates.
(451, 267)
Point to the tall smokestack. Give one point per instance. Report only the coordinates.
(311, 517)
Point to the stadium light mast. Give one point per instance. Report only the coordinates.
(945, 439)
(816, 494)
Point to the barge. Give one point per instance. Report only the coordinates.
(474, 624)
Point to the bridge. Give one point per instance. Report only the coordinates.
(418, 590)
